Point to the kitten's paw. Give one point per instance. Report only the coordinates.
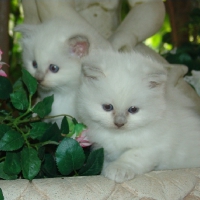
(118, 172)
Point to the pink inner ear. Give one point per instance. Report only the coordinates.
(80, 48)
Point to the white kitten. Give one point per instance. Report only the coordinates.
(123, 102)
(52, 53)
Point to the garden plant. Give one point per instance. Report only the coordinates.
(32, 148)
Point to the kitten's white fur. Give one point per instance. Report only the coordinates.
(163, 134)
(54, 42)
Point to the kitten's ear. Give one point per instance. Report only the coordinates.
(92, 72)
(25, 29)
(79, 46)
(157, 79)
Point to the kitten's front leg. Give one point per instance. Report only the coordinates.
(129, 164)
(118, 171)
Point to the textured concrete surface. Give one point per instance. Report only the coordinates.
(158, 185)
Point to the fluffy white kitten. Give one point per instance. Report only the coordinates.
(123, 102)
(52, 53)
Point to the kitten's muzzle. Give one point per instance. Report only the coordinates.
(120, 120)
(39, 77)
(41, 84)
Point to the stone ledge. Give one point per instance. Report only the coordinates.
(157, 185)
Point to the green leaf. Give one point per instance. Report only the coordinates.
(29, 81)
(75, 121)
(43, 108)
(5, 176)
(49, 167)
(52, 133)
(69, 156)
(1, 195)
(41, 153)
(64, 126)
(3, 129)
(75, 129)
(184, 58)
(79, 128)
(18, 86)
(12, 163)
(94, 163)
(5, 88)
(11, 141)
(19, 100)
(71, 126)
(30, 163)
(38, 129)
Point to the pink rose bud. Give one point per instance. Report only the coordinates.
(2, 73)
(0, 53)
(82, 139)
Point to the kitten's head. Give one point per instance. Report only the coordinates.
(52, 52)
(121, 91)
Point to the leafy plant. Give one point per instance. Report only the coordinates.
(32, 148)
(1, 195)
(187, 55)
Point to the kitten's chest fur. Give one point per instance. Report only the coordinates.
(63, 104)
(115, 143)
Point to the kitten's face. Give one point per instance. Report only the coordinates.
(51, 53)
(121, 95)
(49, 63)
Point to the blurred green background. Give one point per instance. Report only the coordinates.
(186, 52)
(15, 59)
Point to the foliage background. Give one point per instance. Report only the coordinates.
(187, 53)
(15, 60)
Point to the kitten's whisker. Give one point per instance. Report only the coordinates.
(59, 88)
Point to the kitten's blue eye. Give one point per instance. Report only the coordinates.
(107, 107)
(133, 109)
(34, 63)
(53, 68)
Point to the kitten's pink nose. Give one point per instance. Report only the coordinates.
(119, 125)
(120, 120)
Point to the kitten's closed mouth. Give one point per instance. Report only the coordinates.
(119, 128)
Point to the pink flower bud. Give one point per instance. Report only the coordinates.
(0, 53)
(82, 139)
(2, 73)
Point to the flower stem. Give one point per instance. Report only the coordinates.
(3, 158)
(24, 136)
(44, 143)
(61, 115)
(34, 119)
(50, 142)
(76, 173)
